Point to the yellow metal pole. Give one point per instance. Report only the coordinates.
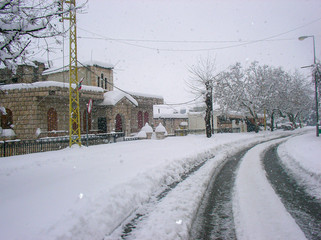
(74, 115)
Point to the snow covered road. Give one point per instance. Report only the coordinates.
(258, 211)
(95, 192)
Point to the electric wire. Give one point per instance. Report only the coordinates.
(203, 49)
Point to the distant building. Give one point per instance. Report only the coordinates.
(169, 117)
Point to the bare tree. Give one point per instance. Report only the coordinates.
(23, 22)
(201, 84)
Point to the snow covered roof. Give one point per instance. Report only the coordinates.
(173, 115)
(113, 97)
(98, 64)
(87, 63)
(47, 84)
(145, 95)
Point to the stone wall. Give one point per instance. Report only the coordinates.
(145, 104)
(30, 107)
(89, 74)
(24, 74)
(124, 108)
(171, 124)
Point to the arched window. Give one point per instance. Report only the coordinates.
(84, 121)
(146, 117)
(140, 120)
(119, 124)
(98, 81)
(52, 121)
(6, 119)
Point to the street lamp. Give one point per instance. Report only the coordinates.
(315, 83)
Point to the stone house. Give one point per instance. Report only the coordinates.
(169, 117)
(230, 122)
(171, 122)
(40, 108)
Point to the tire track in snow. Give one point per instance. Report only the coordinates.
(125, 228)
(129, 224)
(214, 219)
(303, 208)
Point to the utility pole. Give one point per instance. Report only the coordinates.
(74, 113)
(315, 83)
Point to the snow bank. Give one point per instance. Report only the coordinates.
(302, 156)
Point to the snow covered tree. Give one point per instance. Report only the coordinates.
(278, 80)
(241, 90)
(201, 83)
(258, 88)
(22, 22)
(298, 99)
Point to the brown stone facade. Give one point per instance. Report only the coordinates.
(24, 74)
(129, 114)
(41, 109)
(92, 75)
(145, 107)
(171, 124)
(30, 108)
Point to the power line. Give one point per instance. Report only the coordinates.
(180, 41)
(183, 103)
(168, 104)
(112, 84)
(128, 41)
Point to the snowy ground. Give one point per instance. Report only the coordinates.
(87, 193)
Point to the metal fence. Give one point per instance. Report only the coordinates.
(184, 132)
(19, 147)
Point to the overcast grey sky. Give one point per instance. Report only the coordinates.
(152, 42)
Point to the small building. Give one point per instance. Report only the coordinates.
(231, 122)
(169, 117)
(196, 122)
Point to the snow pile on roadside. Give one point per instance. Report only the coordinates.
(302, 156)
(258, 211)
